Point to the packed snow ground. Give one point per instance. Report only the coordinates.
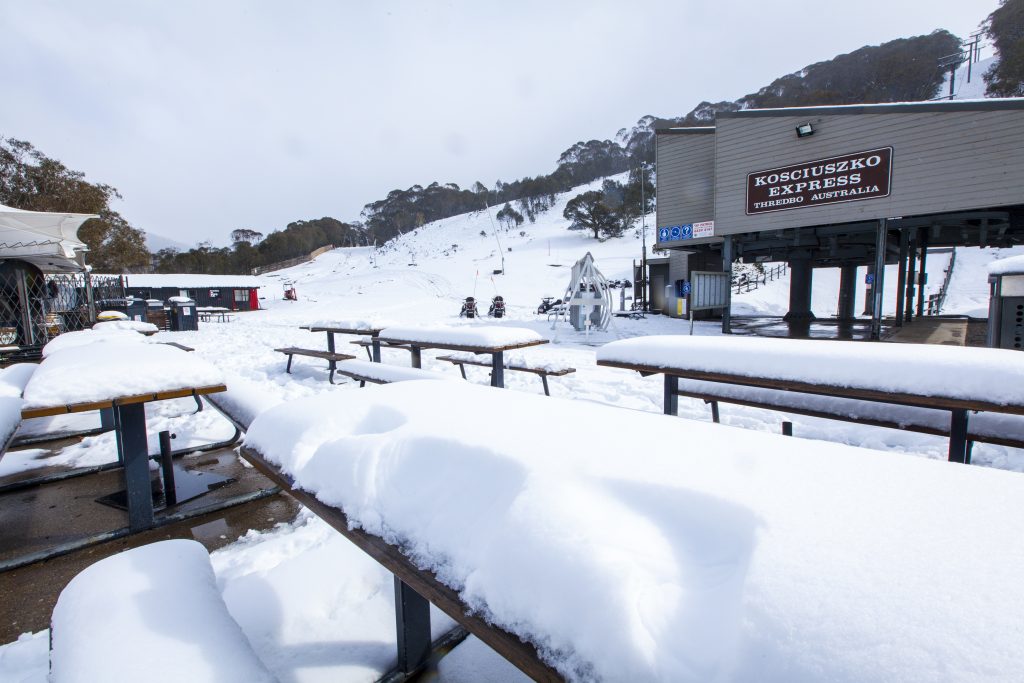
(315, 608)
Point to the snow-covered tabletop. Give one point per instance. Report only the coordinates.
(991, 376)
(132, 325)
(348, 326)
(480, 339)
(664, 549)
(114, 369)
(95, 335)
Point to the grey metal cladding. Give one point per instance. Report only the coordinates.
(686, 171)
(942, 161)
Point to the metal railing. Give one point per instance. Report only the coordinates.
(745, 283)
(298, 260)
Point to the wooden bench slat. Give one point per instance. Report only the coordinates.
(508, 366)
(314, 353)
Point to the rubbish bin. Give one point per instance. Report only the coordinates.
(155, 313)
(135, 309)
(1006, 304)
(183, 314)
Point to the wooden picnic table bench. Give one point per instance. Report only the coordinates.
(365, 371)
(1003, 430)
(915, 375)
(484, 362)
(331, 357)
(357, 328)
(491, 340)
(375, 345)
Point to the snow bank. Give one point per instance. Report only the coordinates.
(133, 325)
(995, 375)
(1014, 264)
(464, 336)
(153, 613)
(99, 372)
(664, 549)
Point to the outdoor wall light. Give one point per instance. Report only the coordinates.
(804, 130)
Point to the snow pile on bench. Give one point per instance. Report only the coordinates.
(99, 372)
(13, 378)
(982, 425)
(12, 383)
(1014, 264)
(666, 549)
(482, 335)
(512, 360)
(994, 375)
(148, 614)
(85, 337)
(133, 325)
(380, 372)
(243, 400)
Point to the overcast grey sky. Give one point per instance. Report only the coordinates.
(215, 115)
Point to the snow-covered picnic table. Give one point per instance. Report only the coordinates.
(955, 379)
(664, 549)
(492, 340)
(123, 376)
(356, 327)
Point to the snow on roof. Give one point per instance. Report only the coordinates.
(636, 546)
(1007, 266)
(191, 280)
(115, 368)
(40, 233)
(841, 108)
(995, 375)
(478, 336)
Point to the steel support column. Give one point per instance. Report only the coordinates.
(911, 279)
(801, 278)
(412, 621)
(869, 292)
(847, 310)
(901, 277)
(727, 267)
(922, 273)
(878, 286)
(133, 451)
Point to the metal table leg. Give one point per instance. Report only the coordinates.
(498, 369)
(417, 360)
(958, 436)
(412, 619)
(133, 451)
(671, 403)
(331, 364)
(375, 344)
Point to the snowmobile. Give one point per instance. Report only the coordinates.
(468, 308)
(497, 309)
(547, 303)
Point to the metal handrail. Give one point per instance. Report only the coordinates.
(937, 301)
(750, 284)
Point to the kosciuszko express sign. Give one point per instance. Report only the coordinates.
(847, 178)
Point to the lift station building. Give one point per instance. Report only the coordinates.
(840, 187)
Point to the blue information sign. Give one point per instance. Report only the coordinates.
(663, 234)
(686, 287)
(869, 279)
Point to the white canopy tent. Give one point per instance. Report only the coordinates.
(46, 239)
